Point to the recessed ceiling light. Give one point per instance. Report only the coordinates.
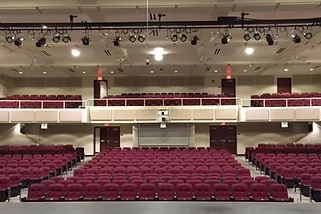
(75, 52)
(20, 72)
(44, 27)
(311, 69)
(245, 70)
(84, 72)
(286, 69)
(111, 72)
(251, 65)
(152, 72)
(249, 51)
(215, 71)
(44, 72)
(176, 71)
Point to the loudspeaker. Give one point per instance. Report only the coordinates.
(310, 127)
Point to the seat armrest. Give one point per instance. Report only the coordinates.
(100, 197)
(81, 197)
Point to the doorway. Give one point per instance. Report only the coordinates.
(106, 137)
(284, 85)
(224, 137)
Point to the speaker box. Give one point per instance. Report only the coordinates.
(310, 127)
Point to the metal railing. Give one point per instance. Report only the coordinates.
(205, 101)
(42, 104)
(281, 102)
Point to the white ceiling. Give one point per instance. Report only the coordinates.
(181, 57)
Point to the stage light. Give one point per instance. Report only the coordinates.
(158, 53)
(249, 51)
(117, 41)
(18, 42)
(269, 39)
(183, 38)
(56, 38)
(296, 38)
(308, 35)
(225, 39)
(75, 52)
(141, 38)
(247, 37)
(174, 38)
(257, 36)
(66, 38)
(132, 38)
(41, 42)
(85, 40)
(194, 40)
(9, 39)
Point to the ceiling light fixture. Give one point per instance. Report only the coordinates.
(174, 38)
(158, 53)
(75, 52)
(56, 38)
(215, 71)
(247, 37)
(245, 70)
(183, 38)
(44, 27)
(20, 72)
(44, 72)
(296, 38)
(308, 35)
(85, 40)
(141, 38)
(9, 38)
(286, 69)
(176, 71)
(256, 36)
(84, 72)
(152, 71)
(194, 40)
(111, 72)
(117, 41)
(18, 41)
(41, 42)
(311, 69)
(66, 38)
(132, 38)
(269, 39)
(249, 51)
(225, 39)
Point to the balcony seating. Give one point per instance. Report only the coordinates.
(282, 100)
(41, 101)
(165, 99)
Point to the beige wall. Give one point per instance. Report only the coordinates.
(246, 85)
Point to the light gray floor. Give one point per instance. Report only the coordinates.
(159, 208)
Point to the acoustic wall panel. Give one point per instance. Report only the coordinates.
(100, 114)
(203, 114)
(23, 116)
(146, 114)
(282, 114)
(123, 114)
(70, 115)
(226, 113)
(4, 116)
(257, 114)
(307, 114)
(180, 114)
(46, 116)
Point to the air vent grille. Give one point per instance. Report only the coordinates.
(207, 68)
(46, 53)
(71, 70)
(217, 51)
(120, 70)
(153, 16)
(280, 51)
(107, 52)
(258, 68)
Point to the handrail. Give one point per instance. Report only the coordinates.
(31, 139)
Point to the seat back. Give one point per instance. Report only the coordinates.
(74, 191)
(36, 191)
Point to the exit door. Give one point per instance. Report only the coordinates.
(106, 137)
(224, 137)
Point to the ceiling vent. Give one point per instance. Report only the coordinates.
(258, 68)
(161, 69)
(280, 51)
(217, 51)
(71, 70)
(155, 32)
(120, 70)
(107, 52)
(46, 53)
(15, 70)
(207, 68)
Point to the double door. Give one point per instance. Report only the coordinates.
(106, 137)
(224, 137)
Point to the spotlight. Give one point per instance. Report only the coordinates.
(41, 42)
(75, 52)
(56, 38)
(174, 38)
(132, 38)
(194, 40)
(117, 41)
(308, 35)
(257, 36)
(269, 39)
(247, 37)
(18, 42)
(85, 40)
(183, 38)
(10, 39)
(141, 38)
(296, 38)
(66, 38)
(225, 39)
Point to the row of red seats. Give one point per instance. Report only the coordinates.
(164, 95)
(43, 97)
(288, 95)
(163, 191)
(164, 101)
(40, 104)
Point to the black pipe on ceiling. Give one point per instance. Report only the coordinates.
(222, 22)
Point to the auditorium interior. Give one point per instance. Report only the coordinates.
(148, 106)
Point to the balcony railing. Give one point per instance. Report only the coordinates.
(281, 102)
(42, 104)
